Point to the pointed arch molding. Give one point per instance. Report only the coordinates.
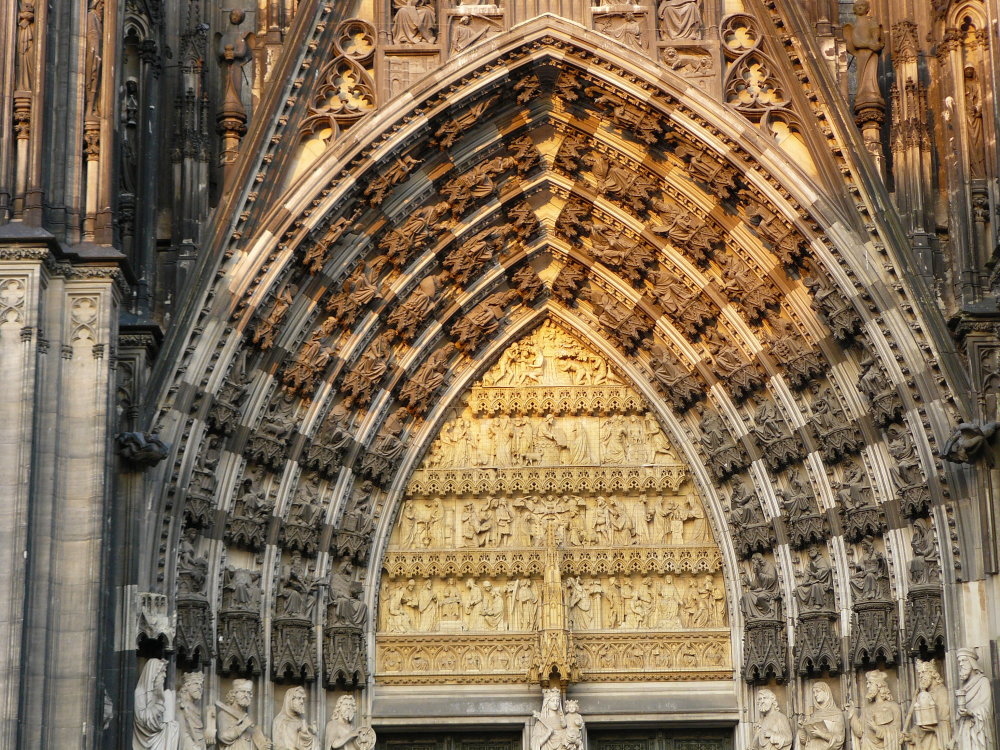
(552, 174)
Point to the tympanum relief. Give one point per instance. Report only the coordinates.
(551, 508)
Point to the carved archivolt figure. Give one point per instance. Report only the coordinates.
(290, 730)
(929, 717)
(680, 19)
(824, 727)
(235, 729)
(975, 728)
(877, 725)
(763, 589)
(340, 731)
(816, 590)
(773, 730)
(151, 730)
(26, 45)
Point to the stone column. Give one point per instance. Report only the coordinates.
(21, 287)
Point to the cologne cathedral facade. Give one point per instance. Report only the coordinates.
(459, 375)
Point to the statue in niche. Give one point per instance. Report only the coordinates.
(151, 729)
(974, 725)
(26, 45)
(816, 590)
(772, 731)
(974, 123)
(928, 721)
(864, 41)
(235, 729)
(762, 597)
(877, 725)
(290, 730)
(823, 727)
(680, 19)
(340, 731)
(94, 57)
(190, 721)
(414, 22)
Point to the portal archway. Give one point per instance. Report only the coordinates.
(690, 253)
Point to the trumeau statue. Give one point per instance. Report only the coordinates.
(340, 731)
(823, 727)
(877, 724)
(928, 722)
(772, 731)
(554, 728)
(235, 730)
(152, 726)
(974, 725)
(290, 729)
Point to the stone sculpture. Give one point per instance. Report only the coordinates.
(152, 727)
(823, 727)
(235, 729)
(772, 731)
(877, 724)
(969, 442)
(974, 725)
(680, 19)
(340, 731)
(290, 730)
(190, 720)
(554, 728)
(928, 722)
(414, 22)
(864, 41)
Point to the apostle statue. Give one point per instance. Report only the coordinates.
(975, 704)
(772, 731)
(290, 730)
(877, 725)
(190, 720)
(928, 721)
(235, 729)
(340, 731)
(823, 727)
(152, 728)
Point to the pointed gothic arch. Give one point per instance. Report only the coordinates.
(582, 146)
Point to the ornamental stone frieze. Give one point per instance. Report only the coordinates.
(536, 541)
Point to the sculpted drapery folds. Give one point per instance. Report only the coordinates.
(823, 727)
(235, 728)
(975, 729)
(772, 731)
(151, 728)
(877, 723)
(290, 729)
(928, 722)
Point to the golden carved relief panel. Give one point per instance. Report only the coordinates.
(551, 528)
